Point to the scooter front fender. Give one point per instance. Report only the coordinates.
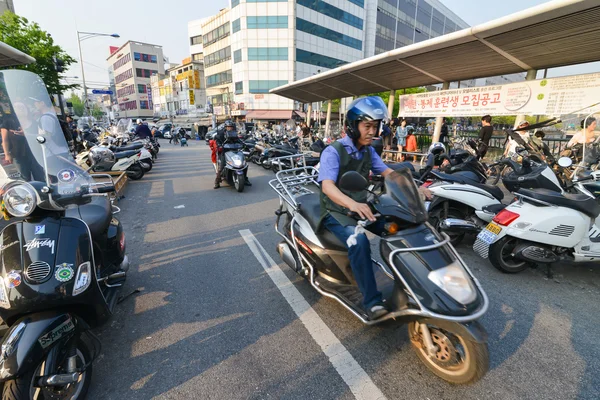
(473, 330)
(31, 338)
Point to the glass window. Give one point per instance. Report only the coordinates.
(360, 3)
(141, 88)
(239, 87)
(333, 12)
(319, 60)
(320, 31)
(271, 22)
(266, 1)
(235, 26)
(137, 56)
(408, 7)
(424, 13)
(216, 34)
(196, 40)
(218, 56)
(237, 56)
(264, 86)
(144, 105)
(235, 3)
(267, 53)
(218, 79)
(450, 26)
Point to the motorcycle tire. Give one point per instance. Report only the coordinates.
(146, 165)
(135, 172)
(239, 183)
(501, 259)
(265, 163)
(474, 356)
(22, 387)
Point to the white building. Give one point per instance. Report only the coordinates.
(6, 5)
(181, 91)
(195, 35)
(131, 66)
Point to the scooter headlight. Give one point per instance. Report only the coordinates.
(20, 200)
(455, 281)
(83, 278)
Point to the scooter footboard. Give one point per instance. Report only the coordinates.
(30, 339)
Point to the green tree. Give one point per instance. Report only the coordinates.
(77, 104)
(29, 38)
(385, 96)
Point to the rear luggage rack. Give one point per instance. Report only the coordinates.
(293, 183)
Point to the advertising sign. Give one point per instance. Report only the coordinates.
(149, 91)
(192, 99)
(555, 97)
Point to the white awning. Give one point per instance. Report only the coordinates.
(10, 56)
(555, 34)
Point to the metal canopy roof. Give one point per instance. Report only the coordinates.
(558, 33)
(10, 56)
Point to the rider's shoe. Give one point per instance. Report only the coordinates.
(217, 185)
(377, 311)
(247, 183)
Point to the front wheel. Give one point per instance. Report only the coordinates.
(501, 256)
(456, 359)
(239, 182)
(26, 386)
(135, 172)
(265, 162)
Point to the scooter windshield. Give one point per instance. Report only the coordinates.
(34, 148)
(400, 185)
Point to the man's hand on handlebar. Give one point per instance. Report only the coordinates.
(424, 192)
(363, 210)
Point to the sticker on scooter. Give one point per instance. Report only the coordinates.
(56, 333)
(37, 243)
(40, 229)
(66, 175)
(64, 272)
(13, 279)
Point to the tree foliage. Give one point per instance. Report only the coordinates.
(385, 96)
(77, 104)
(29, 38)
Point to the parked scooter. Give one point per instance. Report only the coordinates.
(63, 265)
(102, 159)
(424, 281)
(544, 227)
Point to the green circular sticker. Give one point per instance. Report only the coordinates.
(64, 273)
(543, 83)
(540, 96)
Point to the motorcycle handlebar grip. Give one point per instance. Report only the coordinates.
(106, 189)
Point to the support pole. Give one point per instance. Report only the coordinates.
(328, 119)
(531, 75)
(391, 103)
(439, 120)
(308, 114)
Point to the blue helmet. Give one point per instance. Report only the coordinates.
(370, 108)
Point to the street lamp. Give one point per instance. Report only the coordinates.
(81, 36)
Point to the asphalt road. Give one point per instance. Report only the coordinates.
(210, 323)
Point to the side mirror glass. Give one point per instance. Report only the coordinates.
(565, 162)
(352, 181)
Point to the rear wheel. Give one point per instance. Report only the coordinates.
(501, 257)
(135, 172)
(265, 162)
(27, 388)
(456, 359)
(437, 215)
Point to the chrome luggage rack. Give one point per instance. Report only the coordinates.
(293, 183)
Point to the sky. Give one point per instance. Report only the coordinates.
(165, 23)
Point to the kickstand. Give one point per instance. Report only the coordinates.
(549, 273)
(123, 298)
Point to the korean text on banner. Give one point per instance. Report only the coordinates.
(555, 97)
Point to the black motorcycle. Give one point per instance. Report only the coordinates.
(63, 263)
(423, 279)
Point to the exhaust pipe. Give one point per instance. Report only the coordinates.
(536, 254)
(125, 264)
(286, 255)
(459, 225)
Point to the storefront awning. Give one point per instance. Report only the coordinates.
(10, 56)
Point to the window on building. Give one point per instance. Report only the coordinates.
(216, 34)
(141, 88)
(333, 12)
(237, 56)
(319, 60)
(235, 26)
(144, 105)
(266, 1)
(144, 73)
(196, 40)
(239, 87)
(424, 13)
(124, 76)
(264, 86)
(270, 22)
(218, 79)
(218, 56)
(122, 61)
(235, 3)
(144, 57)
(128, 105)
(198, 57)
(360, 3)
(267, 53)
(320, 31)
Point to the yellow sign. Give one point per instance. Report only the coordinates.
(190, 82)
(196, 79)
(191, 97)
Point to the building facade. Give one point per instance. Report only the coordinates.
(195, 35)
(131, 67)
(6, 5)
(181, 91)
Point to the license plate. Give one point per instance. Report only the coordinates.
(489, 234)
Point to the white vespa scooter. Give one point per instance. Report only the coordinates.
(543, 227)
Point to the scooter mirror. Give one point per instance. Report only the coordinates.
(352, 181)
(565, 162)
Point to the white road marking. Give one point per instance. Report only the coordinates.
(356, 378)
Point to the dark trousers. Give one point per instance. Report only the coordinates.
(220, 166)
(360, 257)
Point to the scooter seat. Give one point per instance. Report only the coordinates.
(466, 179)
(133, 146)
(125, 154)
(97, 214)
(310, 209)
(578, 202)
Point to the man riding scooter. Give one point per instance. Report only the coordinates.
(226, 134)
(354, 153)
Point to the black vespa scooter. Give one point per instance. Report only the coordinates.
(423, 279)
(63, 263)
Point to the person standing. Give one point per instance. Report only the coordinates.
(444, 132)
(401, 134)
(411, 143)
(142, 131)
(586, 135)
(485, 134)
(386, 135)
